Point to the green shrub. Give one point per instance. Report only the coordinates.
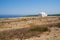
(40, 29)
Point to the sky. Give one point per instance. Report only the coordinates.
(29, 7)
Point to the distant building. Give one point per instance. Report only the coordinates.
(42, 14)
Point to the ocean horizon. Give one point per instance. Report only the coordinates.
(16, 16)
(10, 16)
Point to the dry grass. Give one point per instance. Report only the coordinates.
(23, 33)
(57, 25)
(34, 29)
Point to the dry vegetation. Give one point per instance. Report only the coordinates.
(30, 28)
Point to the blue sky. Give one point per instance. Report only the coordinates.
(28, 7)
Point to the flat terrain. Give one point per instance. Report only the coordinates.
(30, 28)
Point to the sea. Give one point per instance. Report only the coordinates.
(10, 16)
(18, 16)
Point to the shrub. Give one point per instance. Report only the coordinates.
(39, 28)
